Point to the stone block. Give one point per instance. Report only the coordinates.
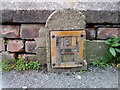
(105, 33)
(15, 46)
(101, 16)
(0, 31)
(30, 16)
(1, 45)
(41, 40)
(66, 19)
(90, 33)
(10, 31)
(30, 46)
(119, 32)
(31, 57)
(7, 15)
(95, 49)
(106, 15)
(30, 31)
(41, 55)
(7, 56)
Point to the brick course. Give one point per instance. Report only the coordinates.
(30, 46)
(16, 36)
(10, 31)
(15, 46)
(105, 33)
(30, 31)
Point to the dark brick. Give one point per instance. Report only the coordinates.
(90, 33)
(30, 31)
(105, 33)
(10, 31)
(30, 46)
(15, 46)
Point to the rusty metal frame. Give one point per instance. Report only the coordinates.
(54, 52)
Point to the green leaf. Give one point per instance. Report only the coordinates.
(118, 50)
(107, 42)
(112, 51)
(94, 63)
(115, 45)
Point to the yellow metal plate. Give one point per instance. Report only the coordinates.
(72, 34)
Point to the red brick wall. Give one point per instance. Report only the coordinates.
(18, 40)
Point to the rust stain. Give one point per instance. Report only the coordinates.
(76, 37)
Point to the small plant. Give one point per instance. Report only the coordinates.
(6, 42)
(100, 62)
(113, 52)
(6, 66)
(82, 71)
(20, 65)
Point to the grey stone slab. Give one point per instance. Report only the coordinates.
(40, 16)
(93, 16)
(7, 16)
(119, 12)
(38, 12)
(95, 49)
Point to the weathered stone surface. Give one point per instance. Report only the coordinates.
(119, 32)
(95, 49)
(90, 33)
(31, 57)
(0, 31)
(93, 16)
(41, 55)
(104, 33)
(7, 16)
(40, 16)
(7, 56)
(56, 4)
(10, 31)
(41, 40)
(25, 16)
(30, 31)
(15, 46)
(119, 12)
(31, 16)
(30, 46)
(1, 44)
(95, 11)
(65, 19)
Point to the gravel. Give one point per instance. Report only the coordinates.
(94, 77)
